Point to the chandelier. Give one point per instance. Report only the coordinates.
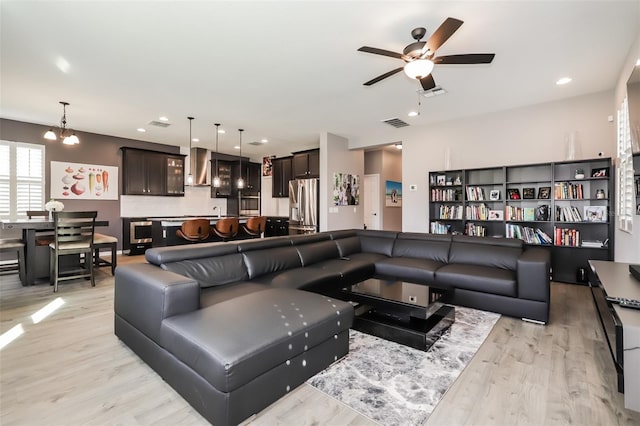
(67, 135)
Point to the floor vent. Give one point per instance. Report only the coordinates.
(159, 123)
(395, 122)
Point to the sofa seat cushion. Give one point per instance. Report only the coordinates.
(235, 341)
(212, 295)
(366, 257)
(484, 279)
(408, 269)
(299, 278)
(351, 270)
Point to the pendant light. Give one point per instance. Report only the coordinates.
(67, 135)
(190, 176)
(216, 177)
(240, 182)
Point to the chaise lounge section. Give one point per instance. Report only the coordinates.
(234, 326)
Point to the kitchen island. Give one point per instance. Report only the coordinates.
(163, 229)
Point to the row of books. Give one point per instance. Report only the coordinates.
(475, 230)
(527, 234)
(568, 191)
(520, 213)
(475, 193)
(478, 212)
(566, 237)
(439, 228)
(446, 195)
(568, 214)
(451, 212)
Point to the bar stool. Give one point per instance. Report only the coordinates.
(104, 242)
(255, 226)
(14, 245)
(195, 230)
(227, 228)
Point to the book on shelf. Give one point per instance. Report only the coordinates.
(439, 228)
(475, 230)
(528, 213)
(477, 212)
(592, 243)
(568, 214)
(568, 191)
(450, 212)
(528, 234)
(475, 193)
(569, 237)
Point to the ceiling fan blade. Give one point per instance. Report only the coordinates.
(428, 82)
(383, 52)
(442, 34)
(471, 58)
(383, 76)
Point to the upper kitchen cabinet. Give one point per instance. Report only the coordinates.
(152, 173)
(252, 174)
(225, 169)
(306, 164)
(281, 175)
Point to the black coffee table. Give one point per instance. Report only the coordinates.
(405, 313)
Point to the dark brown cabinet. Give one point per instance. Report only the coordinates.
(306, 164)
(251, 172)
(281, 175)
(152, 173)
(225, 173)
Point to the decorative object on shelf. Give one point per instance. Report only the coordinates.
(216, 178)
(67, 135)
(240, 181)
(190, 175)
(544, 192)
(595, 213)
(441, 180)
(53, 206)
(528, 193)
(393, 194)
(496, 215)
(600, 173)
(600, 194)
(514, 193)
(458, 181)
(494, 195)
(542, 213)
(579, 174)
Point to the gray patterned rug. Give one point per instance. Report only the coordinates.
(397, 385)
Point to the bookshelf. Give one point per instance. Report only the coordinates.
(565, 207)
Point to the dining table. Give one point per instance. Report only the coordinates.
(36, 257)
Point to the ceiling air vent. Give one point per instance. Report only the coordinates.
(159, 123)
(395, 122)
(438, 90)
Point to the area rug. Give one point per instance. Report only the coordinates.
(397, 385)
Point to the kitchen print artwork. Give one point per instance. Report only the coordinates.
(76, 181)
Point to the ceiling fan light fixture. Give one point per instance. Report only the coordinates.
(418, 69)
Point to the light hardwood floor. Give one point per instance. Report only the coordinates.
(70, 369)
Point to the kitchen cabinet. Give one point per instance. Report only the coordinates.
(152, 173)
(281, 175)
(306, 164)
(252, 173)
(225, 173)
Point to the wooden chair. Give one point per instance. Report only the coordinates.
(43, 238)
(16, 246)
(195, 230)
(255, 226)
(73, 235)
(103, 242)
(227, 228)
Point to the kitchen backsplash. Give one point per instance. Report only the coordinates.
(197, 201)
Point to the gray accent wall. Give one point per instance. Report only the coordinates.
(93, 149)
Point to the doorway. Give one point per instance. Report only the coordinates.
(371, 189)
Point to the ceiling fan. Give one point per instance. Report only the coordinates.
(419, 56)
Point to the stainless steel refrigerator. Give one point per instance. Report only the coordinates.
(303, 206)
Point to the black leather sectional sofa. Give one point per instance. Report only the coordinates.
(234, 326)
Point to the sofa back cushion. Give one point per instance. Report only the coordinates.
(211, 271)
(422, 246)
(486, 251)
(262, 243)
(260, 262)
(164, 255)
(348, 246)
(380, 242)
(309, 238)
(317, 252)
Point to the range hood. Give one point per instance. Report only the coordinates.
(199, 158)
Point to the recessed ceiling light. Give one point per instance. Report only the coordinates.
(563, 80)
(222, 131)
(163, 118)
(236, 147)
(62, 64)
(413, 114)
(195, 140)
(398, 146)
(141, 130)
(264, 140)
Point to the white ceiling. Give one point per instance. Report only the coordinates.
(287, 71)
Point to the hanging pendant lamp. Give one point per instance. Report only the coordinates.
(67, 135)
(240, 181)
(190, 176)
(216, 177)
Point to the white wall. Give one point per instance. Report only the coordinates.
(519, 136)
(627, 245)
(272, 206)
(335, 157)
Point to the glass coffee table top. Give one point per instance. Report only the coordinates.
(406, 313)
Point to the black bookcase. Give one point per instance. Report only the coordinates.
(565, 207)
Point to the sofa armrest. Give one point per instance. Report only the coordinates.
(533, 274)
(146, 294)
